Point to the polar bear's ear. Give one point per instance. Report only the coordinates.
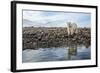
(74, 23)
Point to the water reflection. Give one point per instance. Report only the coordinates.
(61, 53)
(72, 50)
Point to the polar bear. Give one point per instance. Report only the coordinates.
(72, 28)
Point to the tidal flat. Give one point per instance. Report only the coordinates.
(42, 44)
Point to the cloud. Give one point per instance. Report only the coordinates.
(55, 19)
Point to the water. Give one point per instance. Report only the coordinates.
(56, 54)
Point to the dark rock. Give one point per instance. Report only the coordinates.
(52, 37)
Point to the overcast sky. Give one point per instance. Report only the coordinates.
(54, 19)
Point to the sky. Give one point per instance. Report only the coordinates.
(55, 18)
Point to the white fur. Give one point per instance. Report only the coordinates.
(72, 28)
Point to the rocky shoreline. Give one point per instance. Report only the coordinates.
(42, 37)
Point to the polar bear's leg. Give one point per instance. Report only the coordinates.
(71, 31)
(68, 31)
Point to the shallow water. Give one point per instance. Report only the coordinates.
(56, 54)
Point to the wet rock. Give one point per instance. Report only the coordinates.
(49, 37)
